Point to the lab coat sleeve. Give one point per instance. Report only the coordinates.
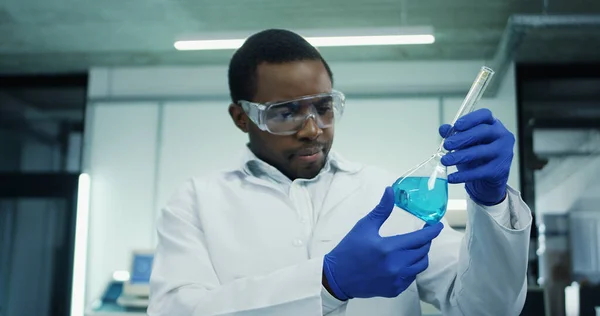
(484, 271)
(184, 282)
(330, 303)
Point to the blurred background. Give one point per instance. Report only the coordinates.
(101, 118)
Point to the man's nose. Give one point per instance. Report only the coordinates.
(310, 129)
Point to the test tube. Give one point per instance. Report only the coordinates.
(475, 93)
(477, 88)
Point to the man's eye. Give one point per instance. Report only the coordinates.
(286, 115)
(282, 114)
(324, 109)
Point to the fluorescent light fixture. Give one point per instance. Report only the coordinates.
(81, 240)
(572, 299)
(361, 38)
(371, 40)
(209, 44)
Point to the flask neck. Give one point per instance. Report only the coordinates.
(441, 150)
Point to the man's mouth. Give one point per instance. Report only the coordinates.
(309, 155)
(308, 151)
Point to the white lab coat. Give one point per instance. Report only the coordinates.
(250, 242)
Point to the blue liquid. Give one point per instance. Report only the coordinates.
(413, 195)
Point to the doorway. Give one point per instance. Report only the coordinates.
(37, 221)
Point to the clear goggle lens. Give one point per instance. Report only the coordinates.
(291, 116)
(287, 118)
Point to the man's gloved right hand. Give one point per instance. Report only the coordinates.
(364, 264)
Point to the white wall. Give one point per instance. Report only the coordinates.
(150, 128)
(195, 140)
(122, 158)
(375, 78)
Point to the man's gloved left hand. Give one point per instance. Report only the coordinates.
(482, 150)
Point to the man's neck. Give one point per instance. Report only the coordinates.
(288, 175)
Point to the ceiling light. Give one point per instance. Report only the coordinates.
(404, 36)
(209, 44)
(371, 40)
(81, 245)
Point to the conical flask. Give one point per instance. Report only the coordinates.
(423, 190)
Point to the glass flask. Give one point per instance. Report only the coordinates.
(423, 190)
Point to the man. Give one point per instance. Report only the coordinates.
(298, 230)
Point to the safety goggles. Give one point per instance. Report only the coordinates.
(288, 117)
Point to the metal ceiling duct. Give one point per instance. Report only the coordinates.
(518, 27)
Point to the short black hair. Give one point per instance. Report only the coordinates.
(268, 46)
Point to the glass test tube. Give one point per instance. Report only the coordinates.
(477, 88)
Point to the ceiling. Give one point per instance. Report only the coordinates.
(72, 35)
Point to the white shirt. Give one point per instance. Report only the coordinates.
(251, 242)
(304, 192)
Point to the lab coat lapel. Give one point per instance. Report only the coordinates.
(268, 185)
(344, 185)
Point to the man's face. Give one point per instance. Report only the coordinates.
(303, 154)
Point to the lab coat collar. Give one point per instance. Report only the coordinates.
(252, 165)
(344, 184)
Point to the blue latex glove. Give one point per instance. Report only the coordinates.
(482, 152)
(364, 264)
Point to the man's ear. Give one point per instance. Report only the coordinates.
(239, 117)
